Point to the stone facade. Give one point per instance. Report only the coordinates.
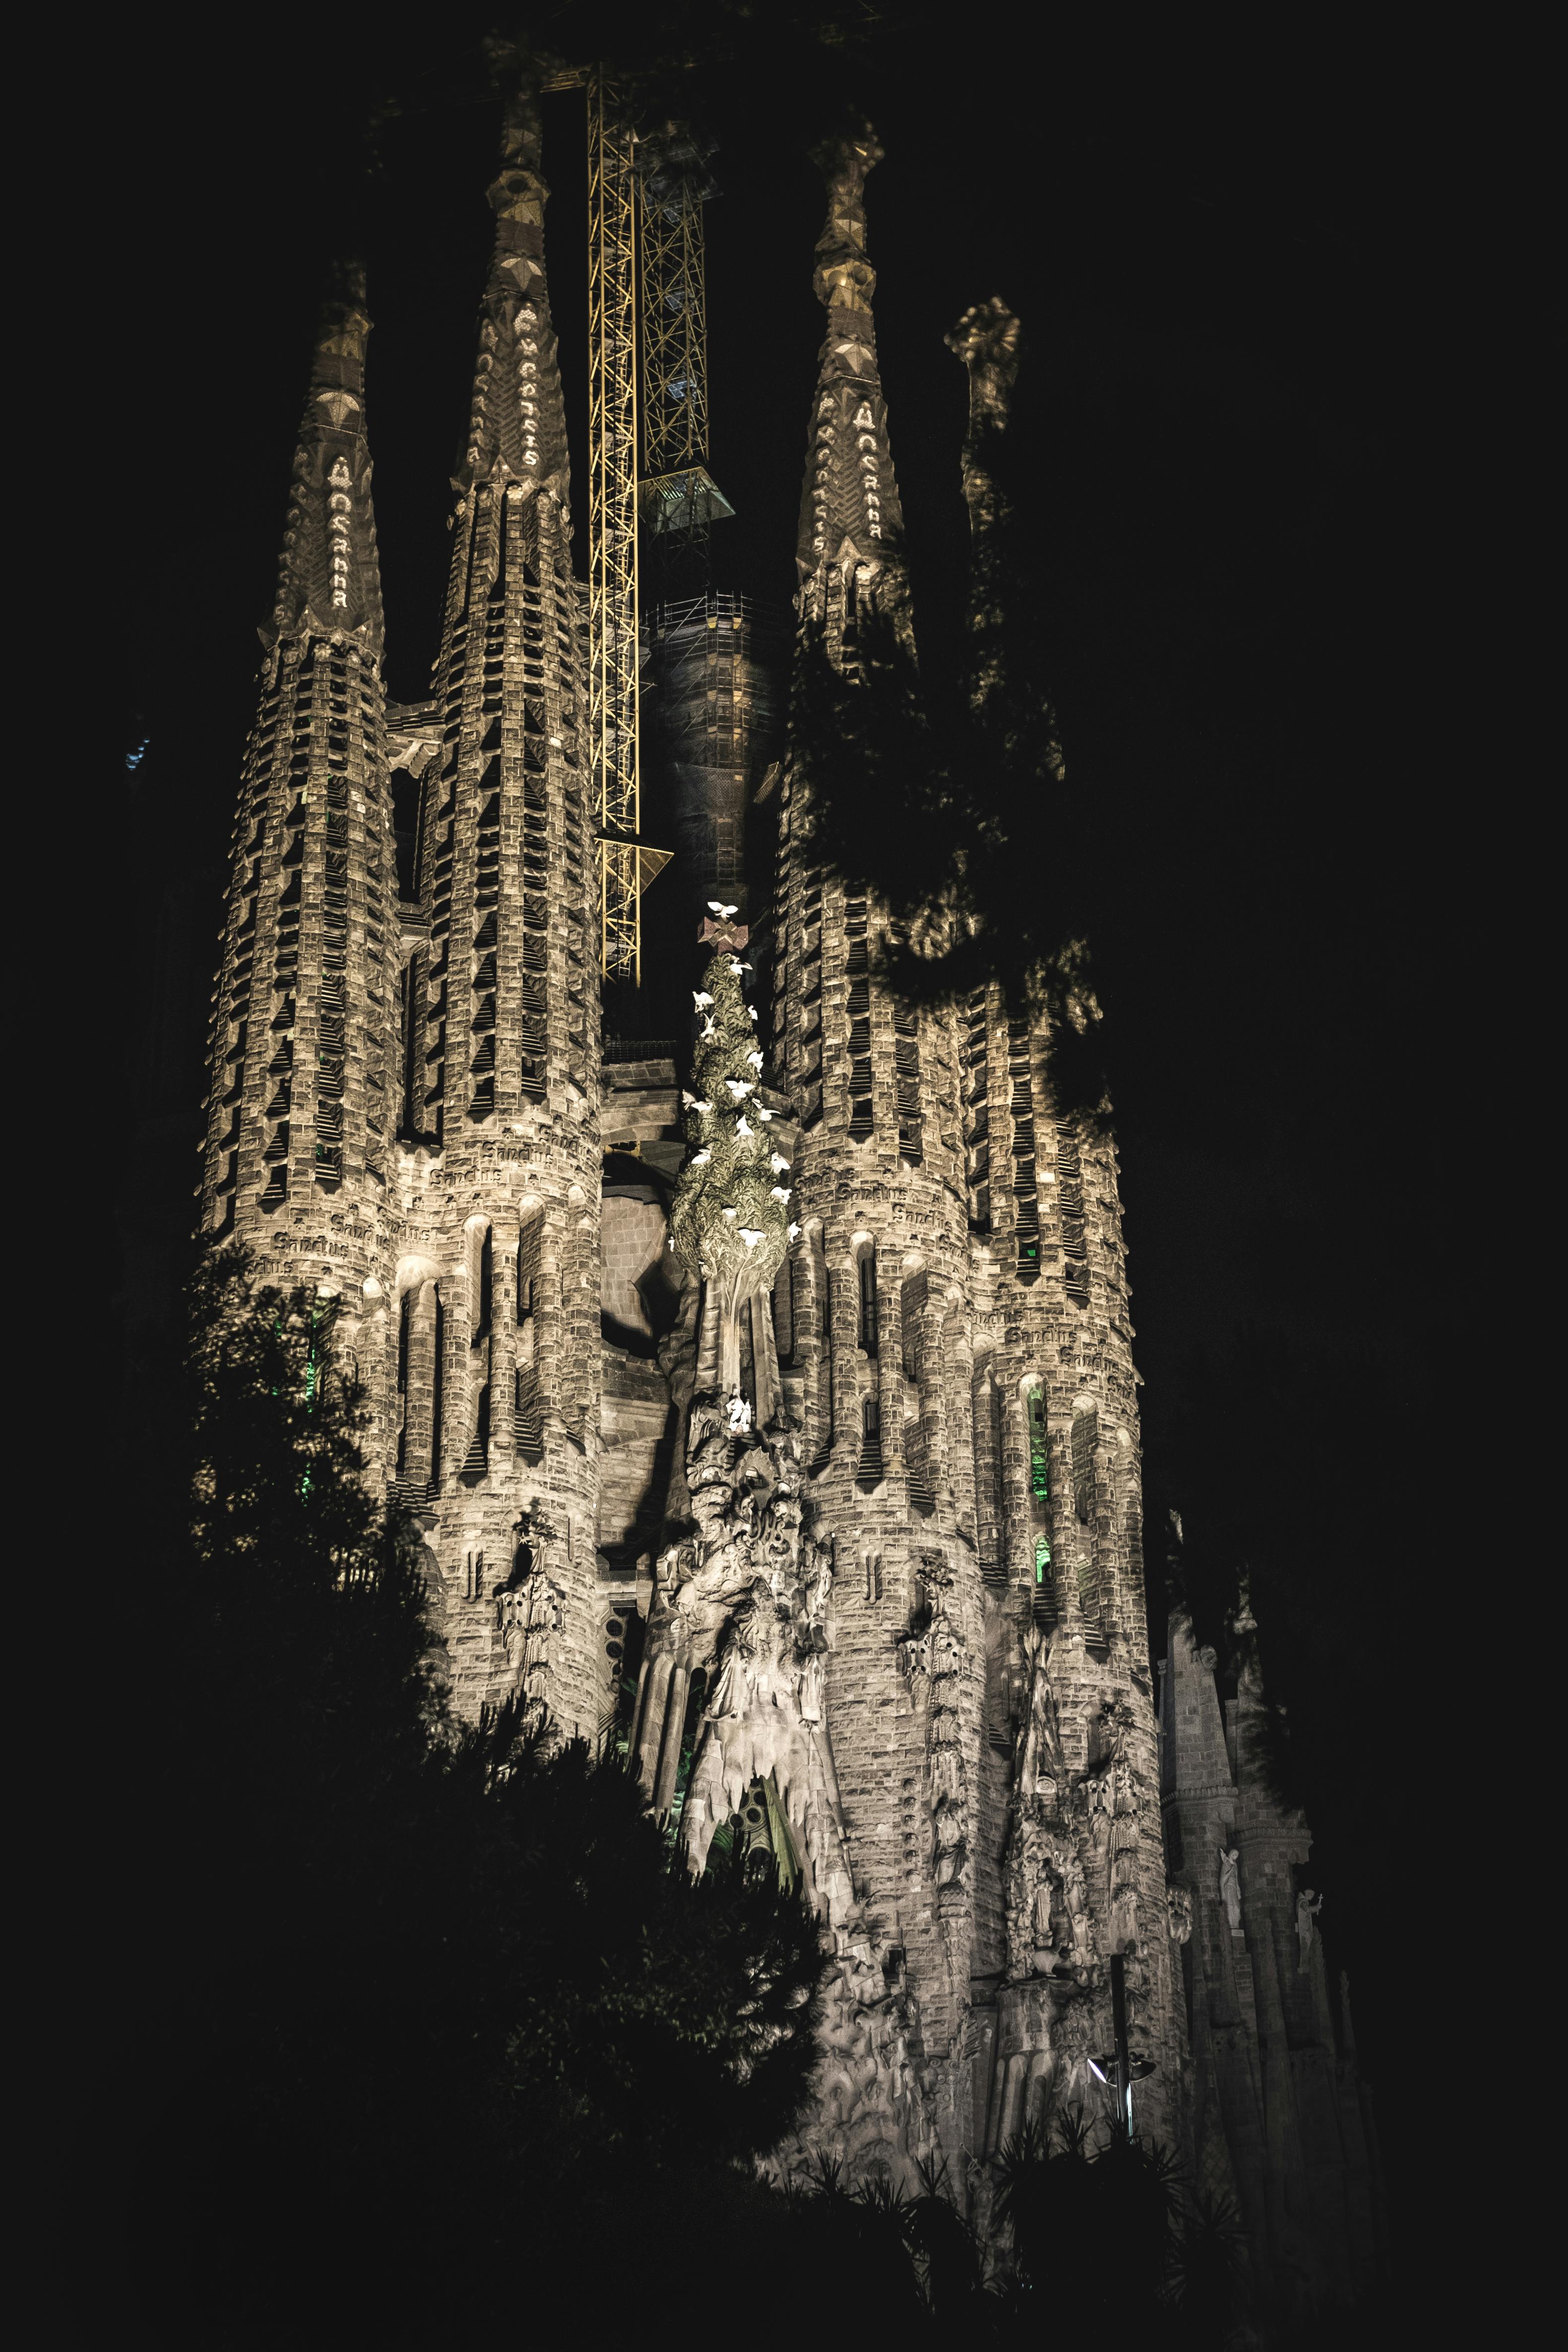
(853, 1567)
(1275, 2111)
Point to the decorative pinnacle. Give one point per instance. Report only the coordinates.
(337, 367)
(517, 424)
(329, 578)
(844, 280)
(517, 191)
(986, 340)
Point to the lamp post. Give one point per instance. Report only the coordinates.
(1118, 2070)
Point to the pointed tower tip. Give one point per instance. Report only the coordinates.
(518, 192)
(844, 279)
(517, 422)
(987, 340)
(851, 513)
(329, 578)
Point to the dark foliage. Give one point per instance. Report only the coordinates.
(1082, 2224)
(425, 1995)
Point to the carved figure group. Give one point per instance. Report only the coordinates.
(743, 1605)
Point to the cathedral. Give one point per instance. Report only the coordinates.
(763, 1400)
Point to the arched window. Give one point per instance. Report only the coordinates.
(405, 1328)
(866, 1270)
(870, 1470)
(526, 1402)
(1039, 1456)
(912, 1306)
(784, 1310)
(480, 1272)
(487, 1286)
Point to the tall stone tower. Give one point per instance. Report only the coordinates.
(877, 1351)
(960, 1356)
(299, 1154)
(497, 1285)
(1057, 1435)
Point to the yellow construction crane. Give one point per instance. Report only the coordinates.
(625, 866)
(677, 494)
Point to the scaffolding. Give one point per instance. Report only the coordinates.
(625, 866)
(679, 501)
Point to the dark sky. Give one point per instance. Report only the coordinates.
(1229, 285)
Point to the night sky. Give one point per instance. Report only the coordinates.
(1226, 281)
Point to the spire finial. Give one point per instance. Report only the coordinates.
(986, 340)
(844, 279)
(517, 424)
(850, 512)
(518, 192)
(329, 579)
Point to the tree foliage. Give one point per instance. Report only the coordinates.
(434, 2002)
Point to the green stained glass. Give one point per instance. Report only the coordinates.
(1039, 1463)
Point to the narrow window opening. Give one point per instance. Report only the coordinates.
(867, 1279)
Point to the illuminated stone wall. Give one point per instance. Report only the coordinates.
(299, 1161)
(498, 1280)
(1275, 2112)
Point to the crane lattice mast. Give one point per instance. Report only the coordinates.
(613, 633)
(679, 502)
(626, 865)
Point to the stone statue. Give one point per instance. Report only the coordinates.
(1070, 1871)
(1125, 1847)
(1307, 1910)
(1041, 1768)
(729, 1222)
(1179, 1904)
(1230, 1885)
(1040, 1919)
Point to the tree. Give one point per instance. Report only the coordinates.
(436, 2002)
(1085, 2227)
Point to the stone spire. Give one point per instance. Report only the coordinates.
(328, 579)
(499, 1378)
(517, 421)
(986, 340)
(849, 512)
(302, 1110)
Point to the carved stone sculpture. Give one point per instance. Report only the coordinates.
(1230, 1885)
(1307, 1911)
(933, 1662)
(730, 1221)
